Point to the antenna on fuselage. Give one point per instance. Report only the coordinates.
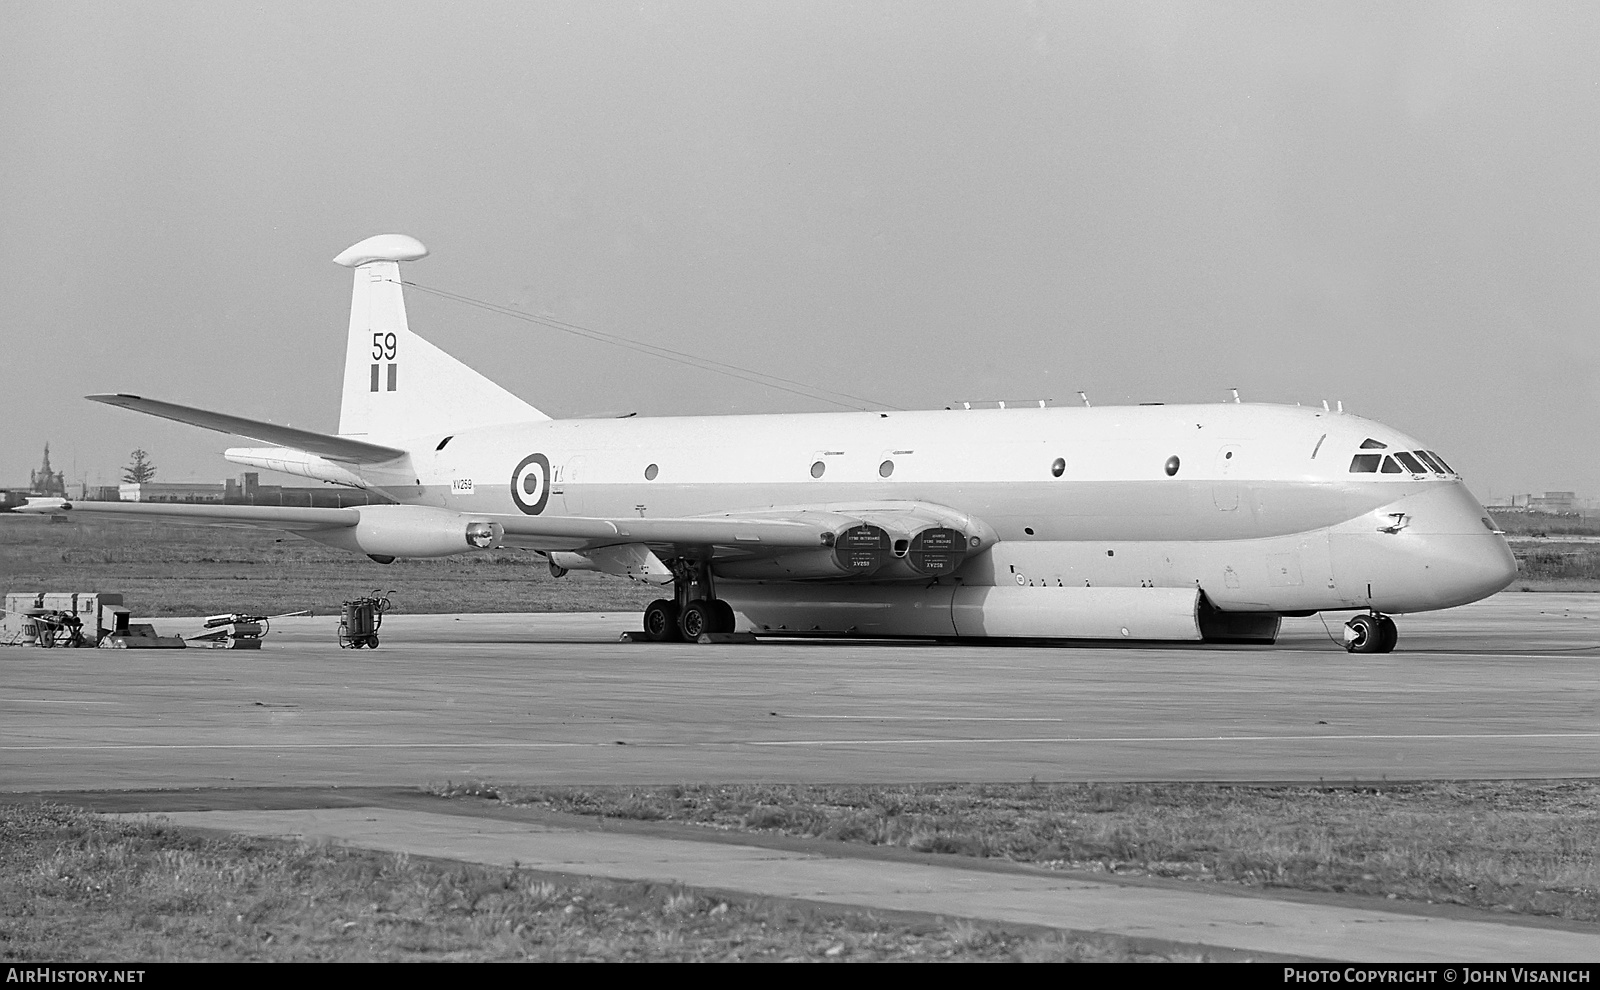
(1085, 399)
(1341, 407)
(1235, 395)
(1325, 405)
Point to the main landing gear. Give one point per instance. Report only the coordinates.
(1370, 633)
(694, 610)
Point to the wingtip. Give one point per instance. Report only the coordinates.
(43, 505)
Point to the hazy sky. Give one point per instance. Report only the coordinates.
(1396, 205)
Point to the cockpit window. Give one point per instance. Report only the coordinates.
(1426, 458)
(1371, 444)
(1447, 468)
(1412, 464)
(1390, 467)
(1365, 463)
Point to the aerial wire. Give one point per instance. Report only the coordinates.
(750, 375)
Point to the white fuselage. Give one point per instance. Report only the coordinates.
(1263, 512)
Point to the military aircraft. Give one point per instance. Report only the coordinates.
(1151, 522)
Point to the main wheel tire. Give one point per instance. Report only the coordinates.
(1363, 634)
(724, 614)
(1388, 635)
(698, 617)
(661, 621)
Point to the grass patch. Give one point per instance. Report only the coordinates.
(1565, 565)
(1516, 524)
(75, 887)
(1526, 847)
(197, 570)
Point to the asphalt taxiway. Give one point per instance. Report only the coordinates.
(1509, 687)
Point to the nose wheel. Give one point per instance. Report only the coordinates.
(1370, 633)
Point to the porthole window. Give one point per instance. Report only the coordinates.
(1028, 530)
(1172, 465)
(1059, 467)
(817, 468)
(885, 469)
(651, 472)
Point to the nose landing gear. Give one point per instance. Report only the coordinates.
(1370, 633)
(694, 610)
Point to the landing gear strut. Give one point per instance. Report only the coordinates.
(694, 610)
(1370, 633)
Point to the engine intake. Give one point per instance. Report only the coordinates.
(937, 551)
(860, 550)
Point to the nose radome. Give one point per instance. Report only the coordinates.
(1471, 567)
(1468, 560)
(1431, 549)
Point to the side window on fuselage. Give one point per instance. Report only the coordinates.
(1390, 467)
(1365, 463)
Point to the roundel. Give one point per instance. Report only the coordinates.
(530, 484)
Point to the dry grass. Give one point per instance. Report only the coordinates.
(76, 888)
(193, 570)
(1516, 524)
(1556, 566)
(1528, 847)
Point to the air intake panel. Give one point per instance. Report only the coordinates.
(937, 551)
(859, 551)
(875, 541)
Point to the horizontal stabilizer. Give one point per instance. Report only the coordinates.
(323, 444)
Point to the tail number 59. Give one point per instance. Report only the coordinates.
(383, 346)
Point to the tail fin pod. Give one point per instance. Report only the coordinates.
(397, 385)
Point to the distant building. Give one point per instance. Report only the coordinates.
(244, 490)
(45, 482)
(1549, 503)
(1556, 503)
(163, 491)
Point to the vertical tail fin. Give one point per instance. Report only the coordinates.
(397, 385)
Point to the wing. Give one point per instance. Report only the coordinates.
(891, 540)
(323, 444)
(430, 531)
(286, 517)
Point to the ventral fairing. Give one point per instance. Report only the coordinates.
(1172, 522)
